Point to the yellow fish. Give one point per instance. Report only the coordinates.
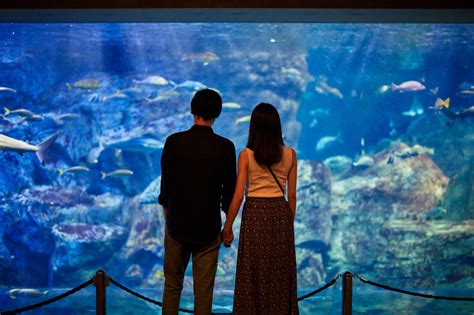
(439, 104)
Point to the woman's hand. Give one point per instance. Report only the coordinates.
(227, 237)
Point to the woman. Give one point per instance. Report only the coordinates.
(266, 264)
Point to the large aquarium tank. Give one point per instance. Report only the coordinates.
(381, 116)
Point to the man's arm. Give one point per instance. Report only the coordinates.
(229, 178)
(163, 197)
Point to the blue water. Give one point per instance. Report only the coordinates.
(378, 115)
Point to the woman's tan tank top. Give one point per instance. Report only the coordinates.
(260, 182)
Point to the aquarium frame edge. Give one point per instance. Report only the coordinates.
(237, 16)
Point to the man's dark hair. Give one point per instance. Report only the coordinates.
(265, 137)
(206, 103)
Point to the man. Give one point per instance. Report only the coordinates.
(198, 174)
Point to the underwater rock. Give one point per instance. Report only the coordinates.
(365, 201)
(145, 244)
(150, 194)
(313, 222)
(425, 254)
(33, 245)
(452, 143)
(459, 197)
(81, 249)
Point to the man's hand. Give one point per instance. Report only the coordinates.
(227, 237)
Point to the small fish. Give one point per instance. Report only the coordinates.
(28, 293)
(408, 86)
(363, 162)
(470, 92)
(324, 142)
(14, 145)
(434, 91)
(93, 156)
(119, 172)
(204, 57)
(290, 71)
(68, 116)
(141, 144)
(84, 84)
(152, 80)
(35, 118)
(97, 98)
(3, 88)
(242, 120)
(407, 152)
(440, 104)
(159, 274)
(165, 96)
(74, 169)
(418, 149)
(119, 95)
(231, 105)
(20, 112)
(323, 88)
(382, 89)
(391, 158)
(362, 146)
(188, 85)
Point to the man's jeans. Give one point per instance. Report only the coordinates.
(177, 257)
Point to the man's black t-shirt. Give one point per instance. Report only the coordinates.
(198, 174)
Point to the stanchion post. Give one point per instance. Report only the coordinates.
(100, 283)
(347, 293)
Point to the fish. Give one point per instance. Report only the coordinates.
(439, 104)
(290, 71)
(93, 156)
(14, 145)
(3, 88)
(362, 146)
(231, 105)
(97, 98)
(338, 163)
(204, 57)
(418, 149)
(406, 153)
(188, 85)
(471, 92)
(84, 84)
(391, 158)
(152, 80)
(363, 162)
(28, 293)
(74, 169)
(242, 119)
(408, 86)
(434, 91)
(20, 112)
(466, 86)
(68, 116)
(464, 113)
(119, 172)
(119, 95)
(165, 96)
(382, 89)
(323, 88)
(142, 144)
(325, 142)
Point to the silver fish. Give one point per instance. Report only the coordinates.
(29, 293)
(14, 145)
(119, 172)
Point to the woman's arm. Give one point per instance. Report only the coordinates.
(237, 199)
(292, 184)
